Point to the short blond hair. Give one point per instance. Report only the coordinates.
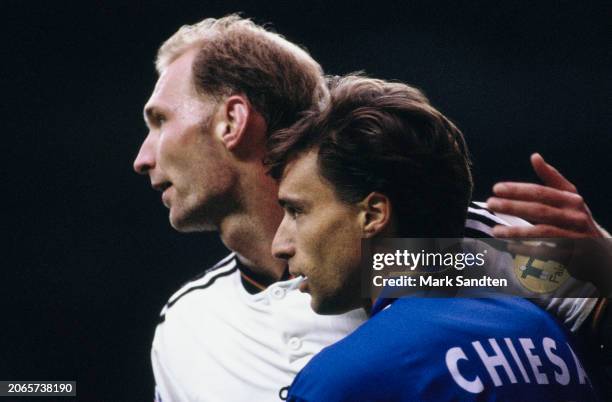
(235, 55)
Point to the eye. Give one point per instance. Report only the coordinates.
(159, 119)
(292, 211)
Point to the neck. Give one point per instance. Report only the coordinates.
(249, 232)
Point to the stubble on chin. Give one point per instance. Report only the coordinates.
(210, 213)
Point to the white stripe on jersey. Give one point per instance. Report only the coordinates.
(226, 264)
(488, 215)
(479, 226)
(502, 219)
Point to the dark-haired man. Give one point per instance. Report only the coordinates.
(380, 161)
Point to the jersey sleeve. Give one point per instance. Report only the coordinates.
(572, 302)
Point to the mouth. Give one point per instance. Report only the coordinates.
(163, 187)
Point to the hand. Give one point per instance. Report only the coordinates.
(556, 210)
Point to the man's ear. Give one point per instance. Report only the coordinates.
(232, 124)
(376, 209)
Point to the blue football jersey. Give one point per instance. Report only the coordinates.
(445, 349)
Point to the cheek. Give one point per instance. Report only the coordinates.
(346, 231)
(170, 149)
(187, 158)
(337, 246)
(178, 137)
(348, 252)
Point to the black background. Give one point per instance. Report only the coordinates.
(89, 257)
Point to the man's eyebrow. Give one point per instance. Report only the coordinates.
(283, 202)
(291, 202)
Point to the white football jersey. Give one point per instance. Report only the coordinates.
(217, 342)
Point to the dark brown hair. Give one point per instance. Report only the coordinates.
(382, 136)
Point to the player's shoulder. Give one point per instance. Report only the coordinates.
(204, 283)
(420, 318)
(428, 321)
(481, 220)
(467, 315)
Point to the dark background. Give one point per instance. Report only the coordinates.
(89, 257)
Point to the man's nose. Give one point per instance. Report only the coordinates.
(145, 160)
(283, 246)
